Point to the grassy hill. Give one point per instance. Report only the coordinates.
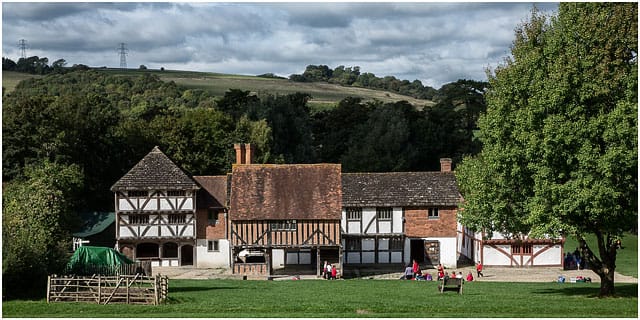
(322, 94)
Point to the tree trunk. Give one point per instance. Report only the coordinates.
(604, 267)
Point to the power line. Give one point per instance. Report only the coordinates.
(122, 50)
(22, 44)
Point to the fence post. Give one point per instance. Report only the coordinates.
(99, 289)
(48, 288)
(127, 284)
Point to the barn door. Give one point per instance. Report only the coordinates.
(432, 252)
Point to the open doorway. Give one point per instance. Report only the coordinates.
(186, 255)
(417, 250)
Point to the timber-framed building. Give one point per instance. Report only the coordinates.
(261, 219)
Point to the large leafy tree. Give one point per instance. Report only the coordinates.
(37, 216)
(560, 134)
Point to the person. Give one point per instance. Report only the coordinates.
(408, 272)
(415, 267)
(460, 275)
(446, 276)
(469, 276)
(479, 269)
(324, 269)
(619, 244)
(453, 275)
(428, 277)
(440, 271)
(334, 272)
(328, 273)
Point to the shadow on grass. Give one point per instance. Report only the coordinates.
(623, 290)
(199, 288)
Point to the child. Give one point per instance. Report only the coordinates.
(469, 276)
(334, 272)
(479, 269)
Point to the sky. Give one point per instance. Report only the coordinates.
(436, 43)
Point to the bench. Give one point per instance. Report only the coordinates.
(450, 284)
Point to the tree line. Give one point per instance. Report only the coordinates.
(351, 76)
(41, 66)
(68, 137)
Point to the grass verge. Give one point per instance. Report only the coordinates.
(356, 298)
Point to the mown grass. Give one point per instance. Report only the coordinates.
(11, 79)
(356, 298)
(626, 259)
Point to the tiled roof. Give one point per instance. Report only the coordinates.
(155, 171)
(213, 193)
(400, 189)
(295, 191)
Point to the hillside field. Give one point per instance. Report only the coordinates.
(322, 94)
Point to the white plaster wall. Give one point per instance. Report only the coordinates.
(553, 256)
(217, 259)
(343, 221)
(152, 205)
(188, 204)
(398, 226)
(125, 232)
(493, 257)
(385, 226)
(368, 214)
(124, 205)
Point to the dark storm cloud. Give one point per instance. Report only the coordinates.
(433, 42)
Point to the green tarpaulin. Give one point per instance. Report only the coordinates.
(88, 257)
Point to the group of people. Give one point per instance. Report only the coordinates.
(413, 272)
(574, 261)
(329, 271)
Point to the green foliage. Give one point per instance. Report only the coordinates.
(560, 133)
(37, 216)
(354, 299)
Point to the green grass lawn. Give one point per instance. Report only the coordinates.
(356, 298)
(626, 259)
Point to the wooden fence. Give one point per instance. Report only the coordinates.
(139, 267)
(129, 289)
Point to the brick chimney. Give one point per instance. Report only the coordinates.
(249, 150)
(240, 153)
(244, 153)
(445, 164)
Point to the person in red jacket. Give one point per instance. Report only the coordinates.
(469, 276)
(440, 271)
(334, 272)
(479, 269)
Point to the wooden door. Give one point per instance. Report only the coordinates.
(432, 252)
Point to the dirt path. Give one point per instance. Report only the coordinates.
(537, 274)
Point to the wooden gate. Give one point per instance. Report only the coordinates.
(432, 252)
(129, 289)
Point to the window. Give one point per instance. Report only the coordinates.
(212, 216)
(138, 193)
(522, 249)
(396, 244)
(433, 213)
(170, 250)
(384, 213)
(177, 218)
(354, 214)
(139, 219)
(176, 193)
(284, 225)
(354, 244)
(213, 246)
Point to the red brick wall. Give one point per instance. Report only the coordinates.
(207, 231)
(417, 223)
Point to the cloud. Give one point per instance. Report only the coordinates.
(436, 43)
